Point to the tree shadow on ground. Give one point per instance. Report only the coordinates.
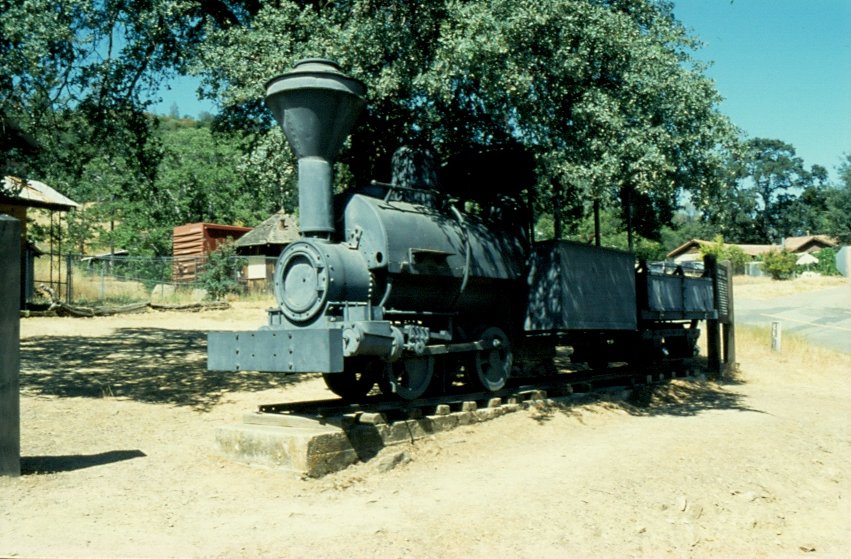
(57, 464)
(685, 397)
(145, 364)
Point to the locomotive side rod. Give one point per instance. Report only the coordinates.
(445, 349)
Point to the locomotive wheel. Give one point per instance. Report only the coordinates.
(408, 378)
(491, 367)
(355, 382)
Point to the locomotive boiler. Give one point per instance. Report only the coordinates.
(400, 286)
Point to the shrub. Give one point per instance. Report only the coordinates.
(826, 262)
(780, 264)
(221, 272)
(722, 252)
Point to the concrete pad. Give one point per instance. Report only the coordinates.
(313, 447)
(313, 452)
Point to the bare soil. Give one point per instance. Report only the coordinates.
(118, 419)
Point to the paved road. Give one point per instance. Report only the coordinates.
(823, 316)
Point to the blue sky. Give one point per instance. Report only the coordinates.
(782, 66)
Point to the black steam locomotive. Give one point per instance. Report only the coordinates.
(399, 286)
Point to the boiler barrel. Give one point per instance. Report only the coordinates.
(437, 261)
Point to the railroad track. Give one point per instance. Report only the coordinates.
(517, 390)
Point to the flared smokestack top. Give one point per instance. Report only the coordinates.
(317, 105)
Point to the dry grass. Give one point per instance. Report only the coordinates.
(90, 288)
(748, 287)
(798, 357)
(95, 288)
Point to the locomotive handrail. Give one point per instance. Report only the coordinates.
(460, 217)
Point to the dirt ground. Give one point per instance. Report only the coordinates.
(118, 419)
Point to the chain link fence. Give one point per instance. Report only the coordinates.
(120, 279)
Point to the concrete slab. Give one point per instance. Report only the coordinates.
(314, 448)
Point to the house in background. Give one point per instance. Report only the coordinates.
(690, 251)
(17, 196)
(193, 242)
(262, 246)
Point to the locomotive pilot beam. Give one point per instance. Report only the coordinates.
(402, 288)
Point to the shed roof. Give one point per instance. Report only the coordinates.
(33, 194)
(280, 228)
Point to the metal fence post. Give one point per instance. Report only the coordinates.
(69, 279)
(10, 330)
(103, 282)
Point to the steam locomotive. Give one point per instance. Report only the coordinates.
(417, 288)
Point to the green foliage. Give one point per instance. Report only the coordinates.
(612, 235)
(836, 217)
(724, 252)
(826, 265)
(221, 271)
(605, 94)
(770, 194)
(78, 78)
(779, 264)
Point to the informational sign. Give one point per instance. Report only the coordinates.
(256, 268)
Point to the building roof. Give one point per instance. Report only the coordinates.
(694, 246)
(797, 245)
(33, 194)
(279, 229)
(808, 243)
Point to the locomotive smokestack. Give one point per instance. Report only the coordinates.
(317, 105)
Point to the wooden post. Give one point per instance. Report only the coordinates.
(729, 326)
(628, 197)
(713, 329)
(556, 200)
(69, 279)
(597, 240)
(721, 333)
(10, 399)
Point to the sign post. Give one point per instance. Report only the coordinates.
(10, 305)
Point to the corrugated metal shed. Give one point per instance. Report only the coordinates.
(191, 243)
